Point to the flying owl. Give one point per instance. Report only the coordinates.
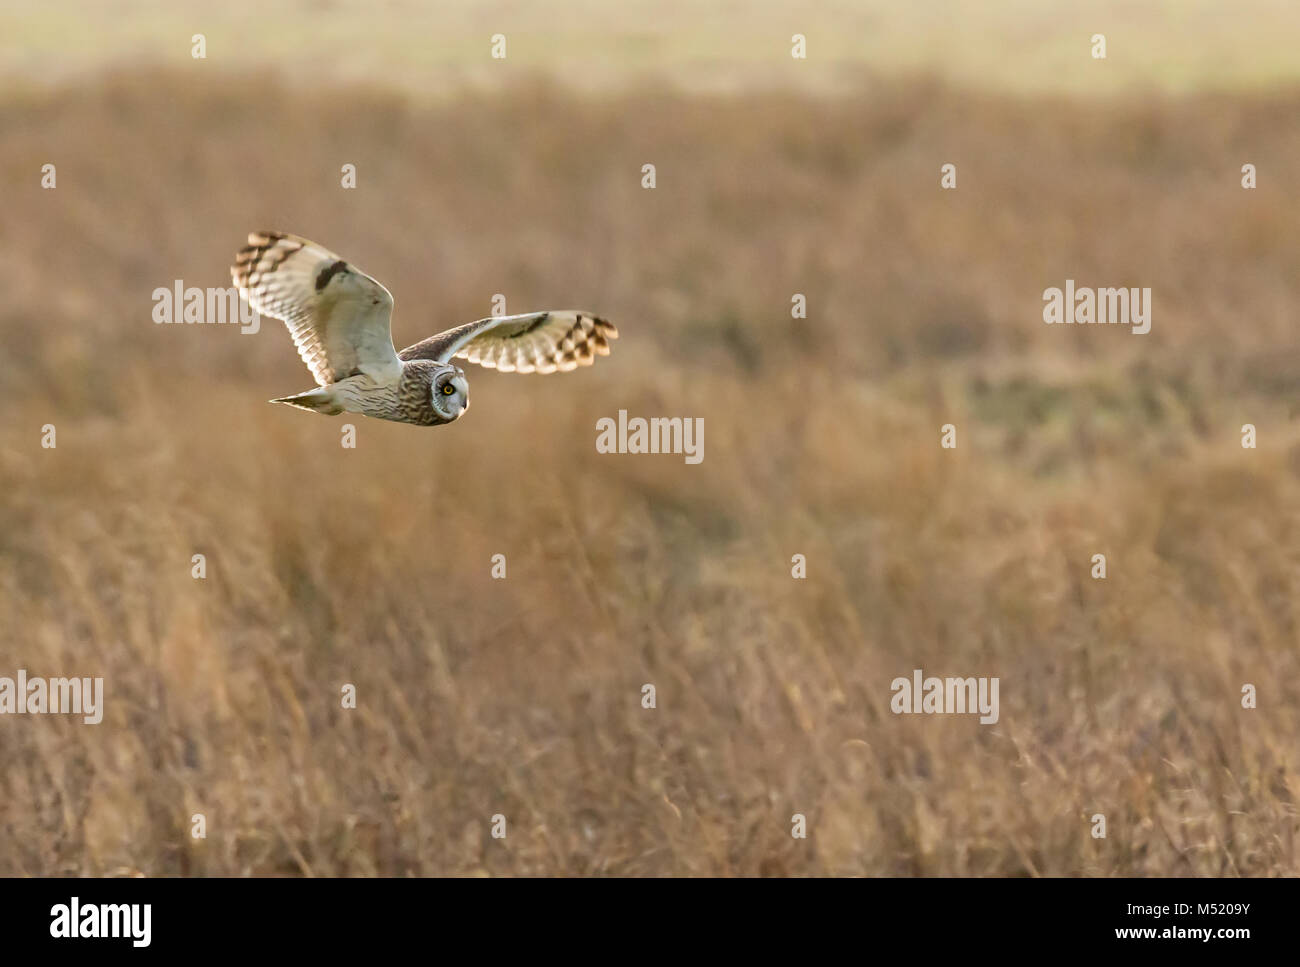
(339, 319)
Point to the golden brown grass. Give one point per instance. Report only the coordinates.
(437, 49)
(521, 696)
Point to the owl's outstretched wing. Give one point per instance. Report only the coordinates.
(536, 342)
(337, 315)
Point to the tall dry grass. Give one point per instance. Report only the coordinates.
(522, 697)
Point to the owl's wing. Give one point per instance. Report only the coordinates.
(337, 315)
(536, 342)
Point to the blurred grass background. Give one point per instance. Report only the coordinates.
(522, 696)
(437, 49)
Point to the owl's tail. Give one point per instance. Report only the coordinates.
(319, 400)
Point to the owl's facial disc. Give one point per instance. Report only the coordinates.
(450, 393)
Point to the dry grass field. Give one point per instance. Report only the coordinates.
(435, 50)
(522, 696)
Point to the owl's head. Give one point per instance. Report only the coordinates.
(450, 392)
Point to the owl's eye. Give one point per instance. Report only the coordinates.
(448, 390)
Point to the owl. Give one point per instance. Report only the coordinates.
(339, 319)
